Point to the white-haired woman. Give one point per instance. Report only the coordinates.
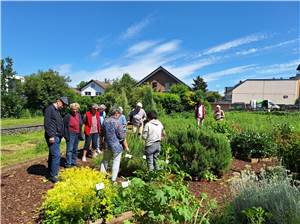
(219, 113)
(72, 134)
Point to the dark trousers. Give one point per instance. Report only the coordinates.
(54, 156)
(72, 149)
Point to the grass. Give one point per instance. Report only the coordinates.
(23, 147)
(13, 122)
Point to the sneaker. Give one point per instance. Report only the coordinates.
(53, 179)
(83, 159)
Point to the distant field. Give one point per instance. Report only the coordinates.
(12, 122)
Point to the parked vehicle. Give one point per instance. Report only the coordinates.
(263, 105)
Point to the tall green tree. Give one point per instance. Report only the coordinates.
(199, 84)
(7, 73)
(148, 100)
(12, 99)
(81, 84)
(213, 96)
(44, 87)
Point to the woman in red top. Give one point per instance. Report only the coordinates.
(72, 134)
(91, 130)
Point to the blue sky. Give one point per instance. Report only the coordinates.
(224, 42)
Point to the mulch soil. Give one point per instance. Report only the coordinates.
(23, 187)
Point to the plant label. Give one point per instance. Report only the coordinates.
(99, 186)
(125, 184)
(128, 156)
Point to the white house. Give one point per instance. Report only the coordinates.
(93, 88)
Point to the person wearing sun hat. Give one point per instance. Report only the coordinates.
(137, 117)
(54, 128)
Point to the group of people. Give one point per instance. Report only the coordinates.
(200, 113)
(101, 134)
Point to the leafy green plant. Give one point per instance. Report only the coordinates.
(252, 144)
(75, 199)
(165, 199)
(256, 215)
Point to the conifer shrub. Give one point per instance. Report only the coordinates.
(201, 151)
(75, 199)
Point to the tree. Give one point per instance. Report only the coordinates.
(199, 83)
(148, 101)
(213, 96)
(7, 73)
(12, 99)
(81, 84)
(43, 88)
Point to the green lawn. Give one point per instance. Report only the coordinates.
(13, 122)
(22, 147)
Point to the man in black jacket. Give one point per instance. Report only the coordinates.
(54, 127)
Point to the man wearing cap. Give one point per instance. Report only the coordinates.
(53, 124)
(137, 117)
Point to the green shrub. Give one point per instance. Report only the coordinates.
(169, 101)
(252, 144)
(201, 150)
(163, 200)
(272, 191)
(223, 127)
(75, 199)
(288, 143)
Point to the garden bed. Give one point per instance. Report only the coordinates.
(23, 187)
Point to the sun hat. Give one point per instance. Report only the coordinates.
(64, 100)
(139, 104)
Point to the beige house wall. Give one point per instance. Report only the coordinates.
(279, 91)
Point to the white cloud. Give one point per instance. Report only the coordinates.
(231, 71)
(136, 28)
(288, 68)
(255, 50)
(63, 69)
(235, 43)
(140, 47)
(165, 54)
(99, 47)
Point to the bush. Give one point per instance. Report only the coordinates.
(272, 191)
(169, 101)
(201, 151)
(223, 127)
(288, 143)
(75, 199)
(252, 144)
(129, 165)
(163, 200)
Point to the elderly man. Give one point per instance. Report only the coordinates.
(54, 127)
(114, 136)
(137, 117)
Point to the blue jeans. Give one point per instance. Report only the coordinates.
(152, 153)
(54, 156)
(92, 137)
(72, 149)
(108, 155)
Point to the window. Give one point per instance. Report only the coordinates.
(93, 85)
(154, 84)
(167, 86)
(98, 93)
(87, 93)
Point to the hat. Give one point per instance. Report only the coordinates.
(102, 106)
(139, 104)
(121, 109)
(64, 99)
(95, 106)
